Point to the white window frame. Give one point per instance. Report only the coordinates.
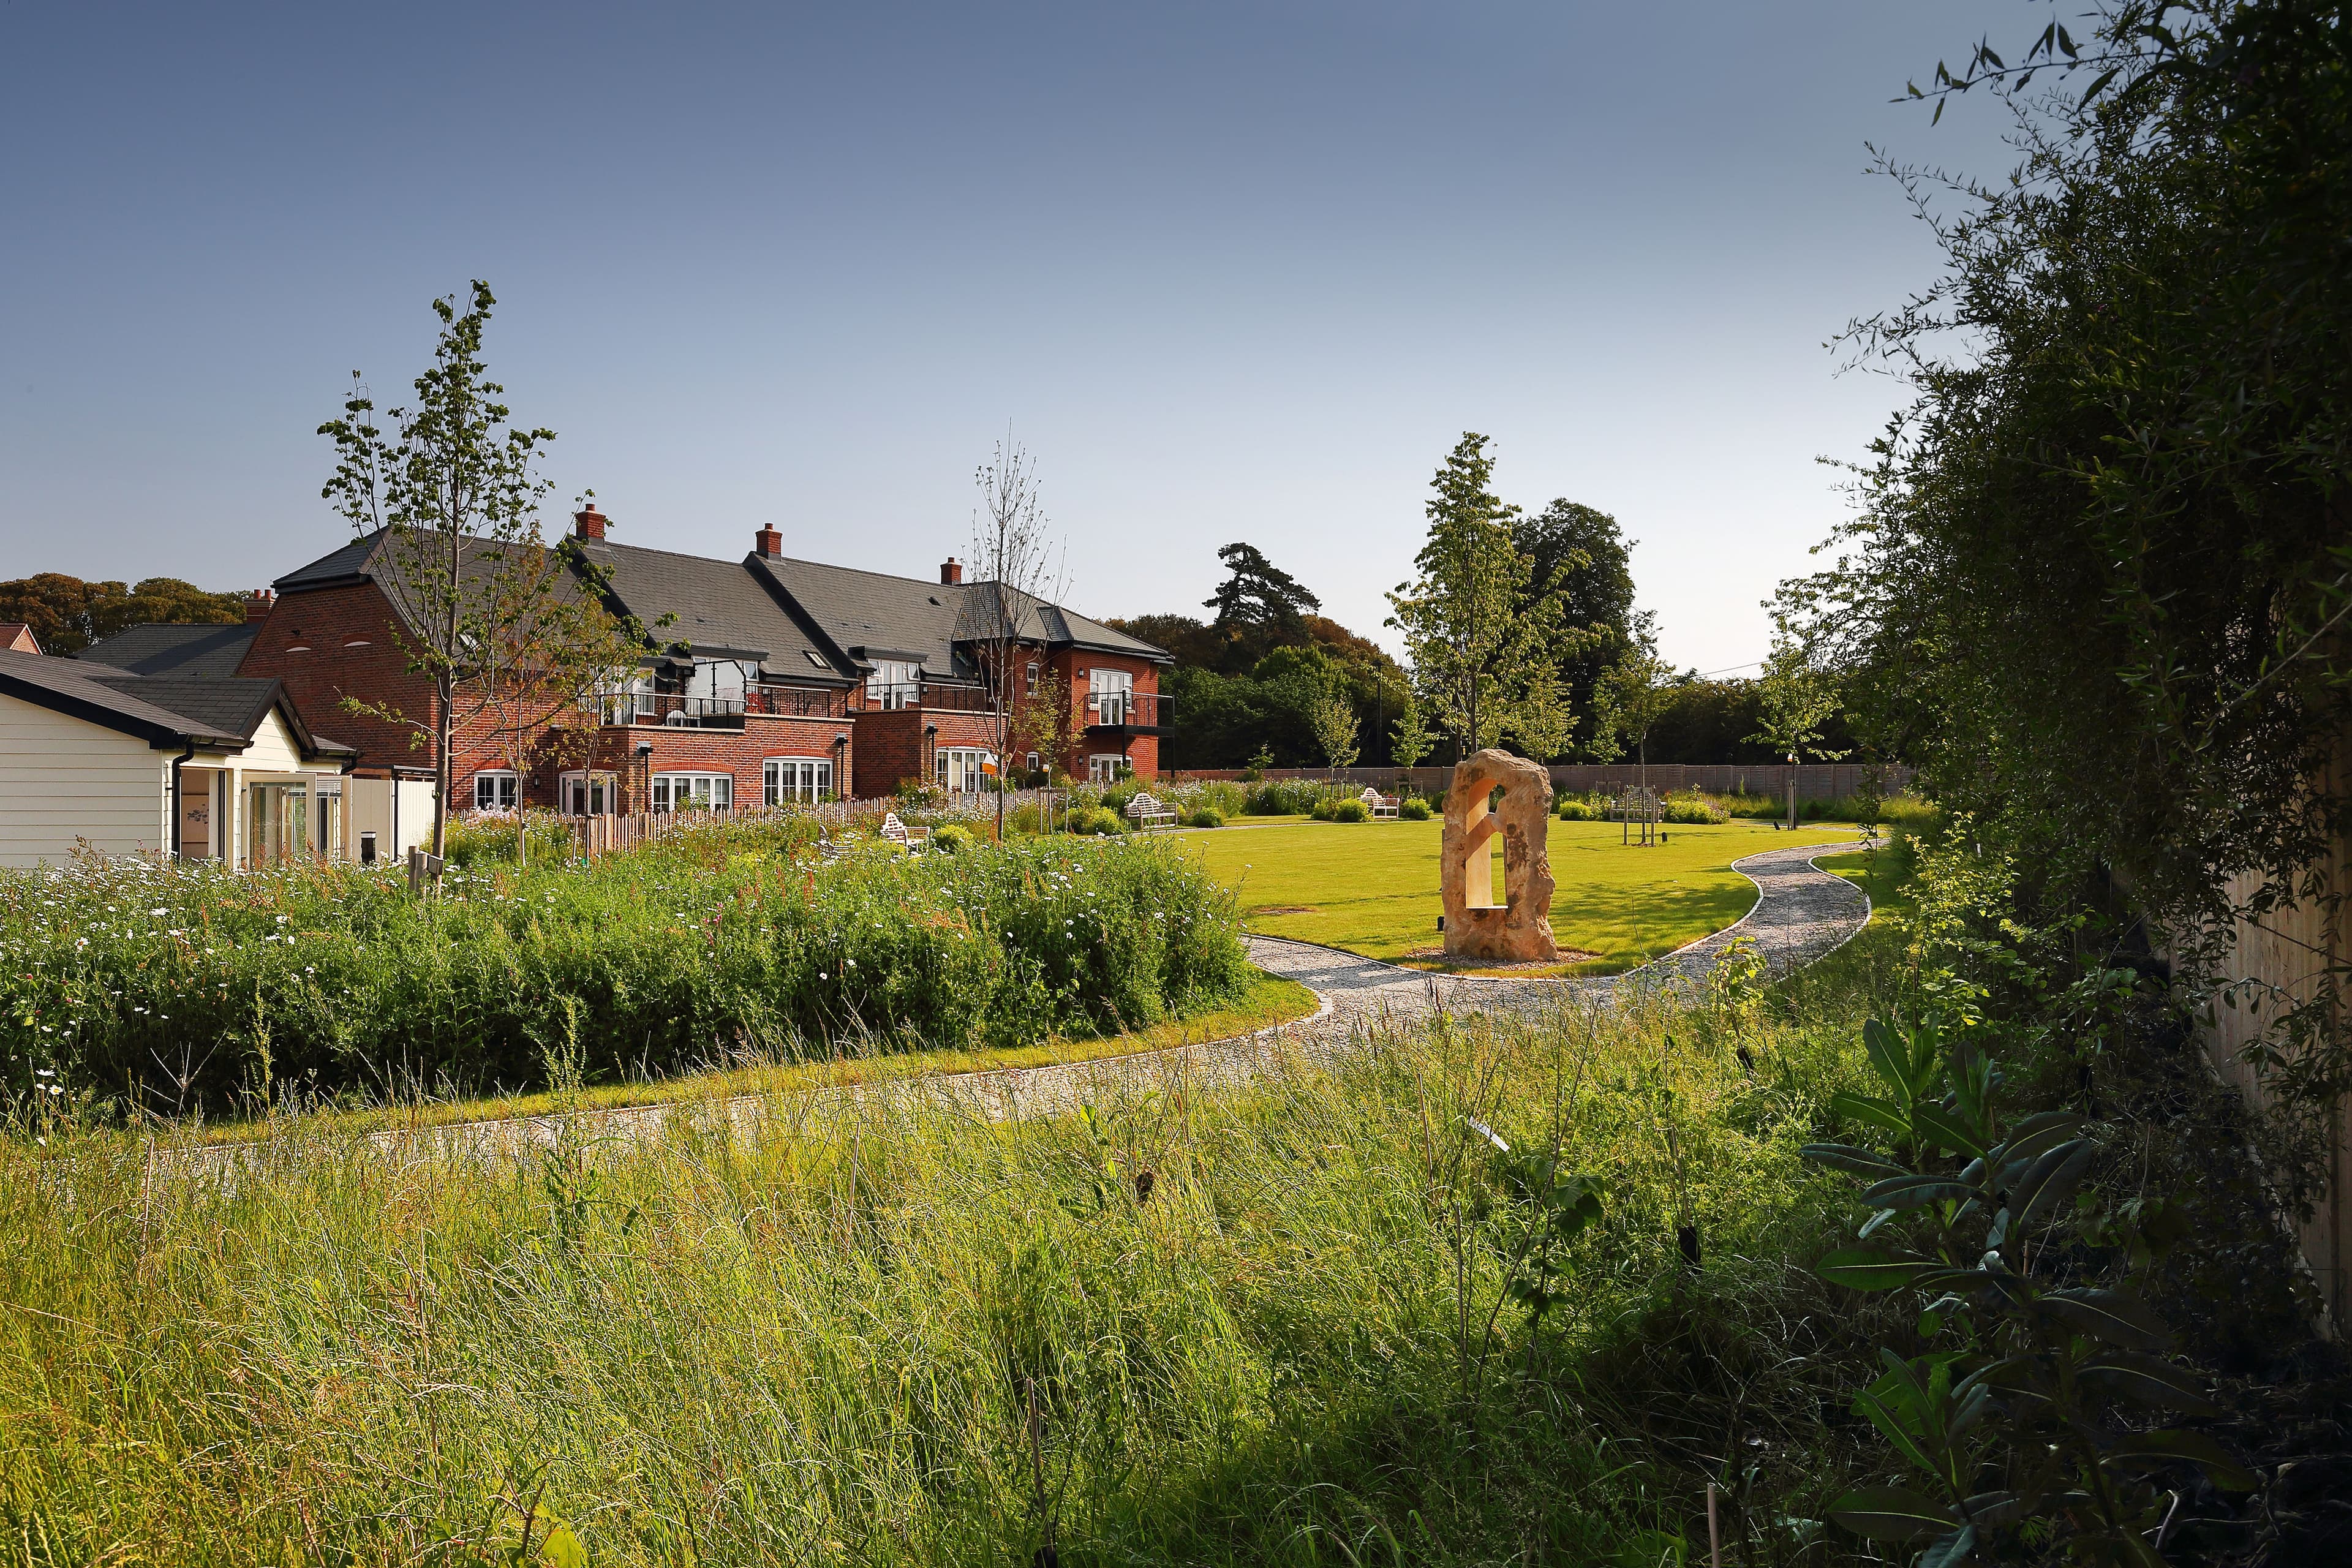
(1109, 767)
(962, 770)
(1036, 763)
(790, 779)
(1111, 695)
(894, 684)
(602, 792)
(1031, 690)
(716, 686)
(692, 788)
(512, 790)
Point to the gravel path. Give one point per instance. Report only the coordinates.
(1801, 914)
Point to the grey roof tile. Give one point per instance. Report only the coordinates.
(157, 649)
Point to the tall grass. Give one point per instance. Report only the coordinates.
(1271, 1321)
(168, 987)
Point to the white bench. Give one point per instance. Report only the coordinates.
(1149, 813)
(1379, 804)
(897, 832)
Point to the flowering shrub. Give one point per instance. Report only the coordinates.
(189, 984)
(1413, 808)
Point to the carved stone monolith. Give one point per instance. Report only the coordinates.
(1516, 928)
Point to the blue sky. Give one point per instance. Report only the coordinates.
(1231, 272)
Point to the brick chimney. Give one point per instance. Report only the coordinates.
(258, 603)
(951, 571)
(768, 541)
(588, 524)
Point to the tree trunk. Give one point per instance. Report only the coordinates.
(444, 767)
(1792, 792)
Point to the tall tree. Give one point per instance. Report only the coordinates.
(1477, 627)
(1018, 564)
(1588, 561)
(452, 490)
(1258, 605)
(67, 615)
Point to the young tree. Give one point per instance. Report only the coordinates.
(452, 489)
(1411, 741)
(1017, 567)
(1634, 693)
(1333, 721)
(1477, 627)
(1797, 698)
(1042, 722)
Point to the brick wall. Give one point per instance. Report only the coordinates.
(328, 644)
(891, 746)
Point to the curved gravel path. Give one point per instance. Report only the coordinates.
(1801, 912)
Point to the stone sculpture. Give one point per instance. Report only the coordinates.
(1517, 928)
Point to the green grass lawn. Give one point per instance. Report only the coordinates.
(1882, 874)
(1372, 886)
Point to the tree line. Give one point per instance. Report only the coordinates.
(1520, 630)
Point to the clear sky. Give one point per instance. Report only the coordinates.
(1231, 272)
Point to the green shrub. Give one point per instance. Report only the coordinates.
(1413, 808)
(481, 838)
(953, 838)
(1285, 797)
(1582, 811)
(1694, 809)
(1098, 820)
(1350, 811)
(1205, 816)
(333, 978)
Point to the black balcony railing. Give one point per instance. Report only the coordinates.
(950, 696)
(1132, 712)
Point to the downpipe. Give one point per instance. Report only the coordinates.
(179, 851)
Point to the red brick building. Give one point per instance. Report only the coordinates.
(775, 680)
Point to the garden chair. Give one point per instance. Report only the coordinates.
(1379, 804)
(1149, 813)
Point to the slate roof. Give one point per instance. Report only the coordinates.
(162, 710)
(803, 620)
(873, 615)
(721, 609)
(200, 650)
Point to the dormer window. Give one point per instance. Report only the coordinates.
(894, 684)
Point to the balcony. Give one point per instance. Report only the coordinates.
(948, 696)
(1124, 714)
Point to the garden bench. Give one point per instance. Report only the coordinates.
(1379, 804)
(897, 832)
(1149, 813)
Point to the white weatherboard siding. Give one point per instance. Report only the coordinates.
(63, 779)
(272, 750)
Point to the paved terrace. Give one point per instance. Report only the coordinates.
(1801, 914)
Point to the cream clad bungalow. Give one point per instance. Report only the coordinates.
(195, 765)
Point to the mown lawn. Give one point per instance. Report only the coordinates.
(1371, 888)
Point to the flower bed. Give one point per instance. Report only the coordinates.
(179, 986)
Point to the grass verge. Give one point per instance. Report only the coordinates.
(1285, 1320)
(1270, 1001)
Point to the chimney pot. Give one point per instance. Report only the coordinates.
(768, 540)
(258, 603)
(951, 571)
(588, 524)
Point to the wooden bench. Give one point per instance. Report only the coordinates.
(1147, 813)
(1379, 804)
(897, 832)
